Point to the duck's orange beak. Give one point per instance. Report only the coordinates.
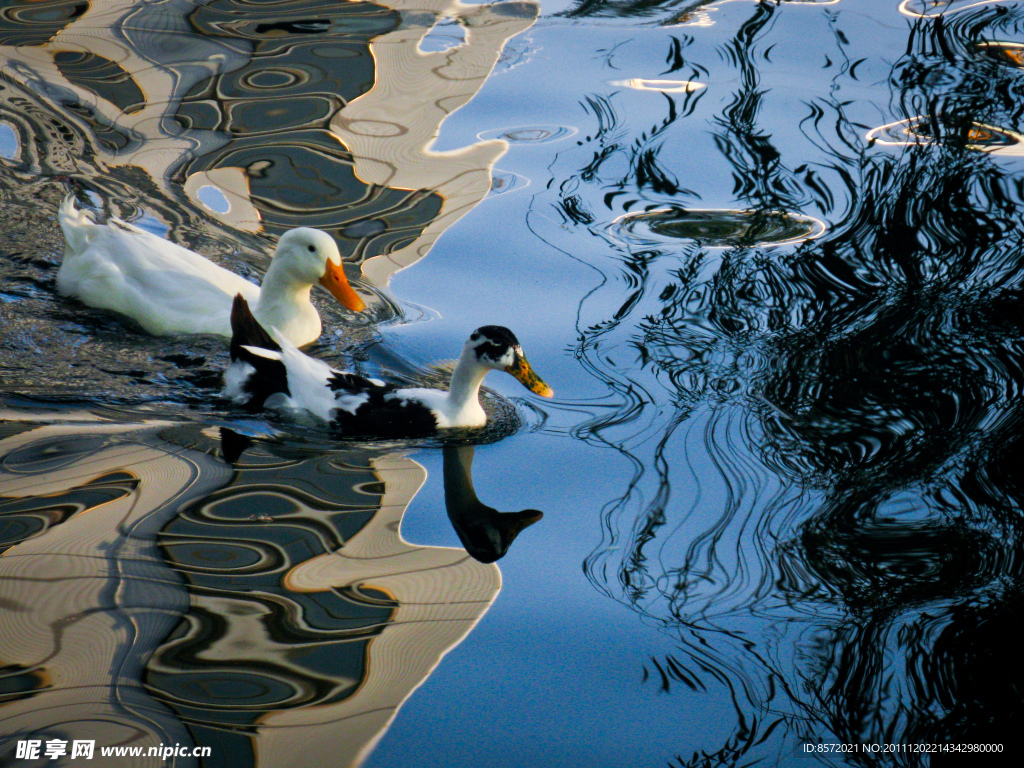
(521, 370)
(334, 280)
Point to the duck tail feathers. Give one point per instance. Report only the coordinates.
(246, 330)
(76, 224)
(256, 371)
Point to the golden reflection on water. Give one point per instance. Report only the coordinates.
(390, 129)
(155, 594)
(259, 118)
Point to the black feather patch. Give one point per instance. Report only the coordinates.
(246, 331)
(270, 376)
(380, 417)
(353, 383)
(233, 444)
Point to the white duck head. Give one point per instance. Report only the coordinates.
(305, 256)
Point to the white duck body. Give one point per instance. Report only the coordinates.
(171, 290)
(265, 371)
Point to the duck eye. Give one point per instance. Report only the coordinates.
(312, 248)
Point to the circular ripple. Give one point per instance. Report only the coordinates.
(15, 529)
(924, 130)
(506, 181)
(44, 456)
(529, 134)
(38, 23)
(718, 228)
(237, 689)
(930, 9)
(270, 79)
(220, 557)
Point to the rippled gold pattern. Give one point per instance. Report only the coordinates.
(270, 608)
(294, 113)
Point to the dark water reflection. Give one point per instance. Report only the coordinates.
(485, 532)
(875, 373)
(771, 252)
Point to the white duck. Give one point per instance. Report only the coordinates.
(263, 367)
(169, 290)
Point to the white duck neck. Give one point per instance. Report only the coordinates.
(284, 298)
(464, 391)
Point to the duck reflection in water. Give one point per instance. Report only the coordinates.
(485, 532)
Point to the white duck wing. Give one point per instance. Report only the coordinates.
(282, 378)
(268, 369)
(309, 383)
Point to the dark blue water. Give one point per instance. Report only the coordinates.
(766, 254)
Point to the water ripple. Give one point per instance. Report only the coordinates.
(529, 134)
(816, 437)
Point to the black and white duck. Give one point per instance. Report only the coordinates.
(271, 371)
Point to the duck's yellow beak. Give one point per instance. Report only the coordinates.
(334, 280)
(521, 370)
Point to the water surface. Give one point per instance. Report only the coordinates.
(767, 255)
